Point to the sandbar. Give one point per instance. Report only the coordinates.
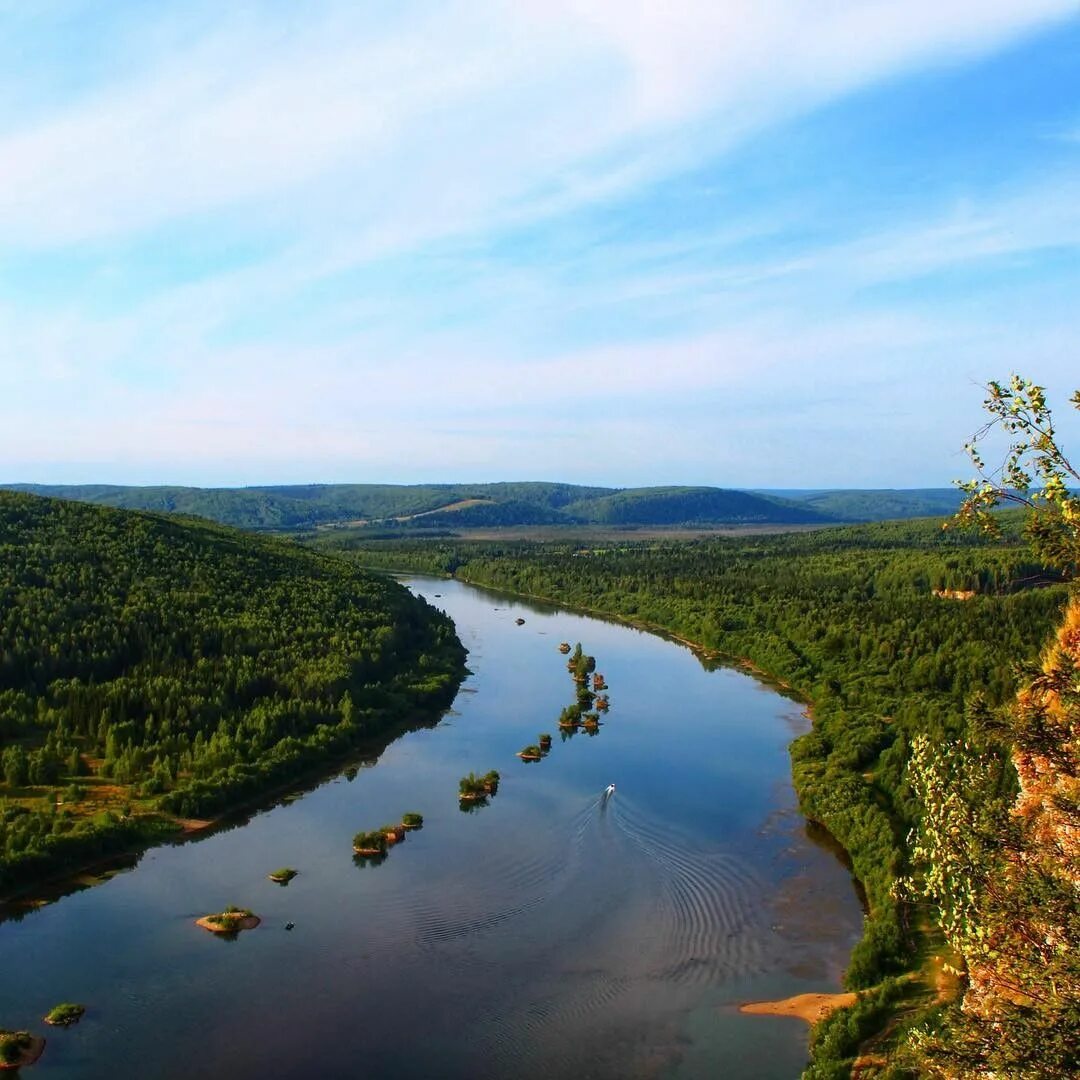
(808, 1007)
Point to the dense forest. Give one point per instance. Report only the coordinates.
(502, 505)
(894, 632)
(155, 667)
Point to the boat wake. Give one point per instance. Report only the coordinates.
(617, 919)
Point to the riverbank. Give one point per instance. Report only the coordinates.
(173, 829)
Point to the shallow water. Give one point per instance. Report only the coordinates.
(551, 933)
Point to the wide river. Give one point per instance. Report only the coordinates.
(552, 933)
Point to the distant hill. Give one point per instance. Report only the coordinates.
(463, 506)
(691, 506)
(885, 504)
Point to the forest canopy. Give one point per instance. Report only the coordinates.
(157, 666)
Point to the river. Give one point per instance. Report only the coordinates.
(552, 933)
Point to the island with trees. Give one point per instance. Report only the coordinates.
(478, 789)
(283, 875)
(65, 1014)
(19, 1049)
(372, 842)
(230, 921)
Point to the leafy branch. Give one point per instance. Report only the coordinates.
(1035, 472)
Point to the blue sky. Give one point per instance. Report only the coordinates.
(748, 243)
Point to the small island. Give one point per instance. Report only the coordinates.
(394, 833)
(545, 742)
(370, 843)
(65, 1014)
(230, 921)
(19, 1048)
(412, 820)
(472, 788)
(530, 753)
(283, 875)
(520, 622)
(570, 717)
(564, 648)
(581, 665)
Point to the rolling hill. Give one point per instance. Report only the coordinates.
(464, 506)
(885, 504)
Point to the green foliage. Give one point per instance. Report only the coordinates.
(230, 919)
(412, 820)
(373, 840)
(283, 875)
(65, 1013)
(1034, 473)
(12, 1045)
(835, 1041)
(196, 667)
(1002, 875)
(473, 786)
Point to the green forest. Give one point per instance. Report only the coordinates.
(893, 632)
(155, 668)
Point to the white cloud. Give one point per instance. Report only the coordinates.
(387, 131)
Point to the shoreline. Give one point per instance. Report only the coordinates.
(53, 887)
(729, 659)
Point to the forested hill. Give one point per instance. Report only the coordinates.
(151, 666)
(881, 504)
(453, 506)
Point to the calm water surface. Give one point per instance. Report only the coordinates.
(549, 934)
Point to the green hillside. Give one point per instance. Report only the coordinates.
(437, 505)
(877, 505)
(152, 666)
(306, 506)
(689, 505)
(291, 507)
(489, 514)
